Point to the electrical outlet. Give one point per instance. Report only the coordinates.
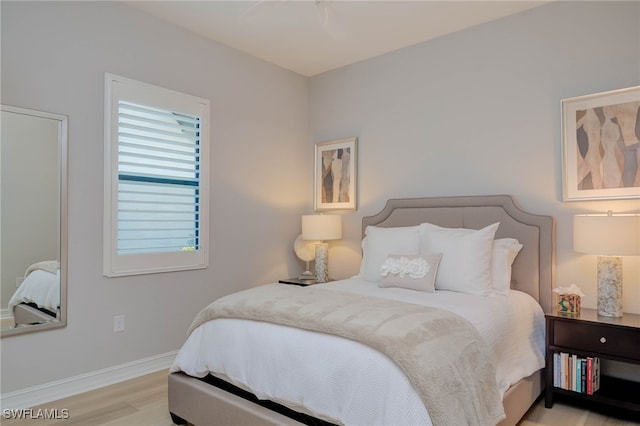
(118, 323)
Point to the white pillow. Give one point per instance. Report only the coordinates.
(381, 242)
(466, 257)
(504, 253)
(412, 272)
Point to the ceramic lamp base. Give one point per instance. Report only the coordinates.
(322, 262)
(610, 286)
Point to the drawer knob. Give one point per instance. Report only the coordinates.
(603, 340)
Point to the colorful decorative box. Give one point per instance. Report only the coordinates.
(568, 303)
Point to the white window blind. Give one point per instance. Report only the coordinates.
(157, 178)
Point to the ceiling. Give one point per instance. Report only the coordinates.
(313, 36)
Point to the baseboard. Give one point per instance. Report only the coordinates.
(42, 394)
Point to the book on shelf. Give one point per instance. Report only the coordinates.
(596, 374)
(575, 373)
(578, 371)
(589, 374)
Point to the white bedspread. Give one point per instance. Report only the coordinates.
(39, 287)
(342, 380)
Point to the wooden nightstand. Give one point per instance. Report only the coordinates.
(591, 335)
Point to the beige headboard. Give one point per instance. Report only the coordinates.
(534, 267)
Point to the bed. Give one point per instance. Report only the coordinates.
(37, 299)
(223, 398)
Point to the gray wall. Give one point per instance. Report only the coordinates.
(478, 112)
(54, 56)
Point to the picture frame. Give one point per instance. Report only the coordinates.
(336, 175)
(601, 146)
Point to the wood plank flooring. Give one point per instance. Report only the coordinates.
(143, 402)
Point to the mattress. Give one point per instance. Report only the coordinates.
(346, 382)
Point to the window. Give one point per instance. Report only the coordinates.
(156, 179)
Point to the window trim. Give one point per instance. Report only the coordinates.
(114, 264)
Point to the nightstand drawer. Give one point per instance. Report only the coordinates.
(595, 338)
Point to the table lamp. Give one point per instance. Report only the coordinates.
(321, 228)
(610, 237)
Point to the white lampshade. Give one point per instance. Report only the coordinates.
(607, 234)
(321, 227)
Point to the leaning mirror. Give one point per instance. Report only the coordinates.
(33, 220)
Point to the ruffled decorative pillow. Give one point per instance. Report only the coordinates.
(411, 272)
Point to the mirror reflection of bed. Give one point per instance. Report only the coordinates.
(37, 299)
(33, 220)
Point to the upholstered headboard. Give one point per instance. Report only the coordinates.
(534, 268)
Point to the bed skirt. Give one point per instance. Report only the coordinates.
(25, 314)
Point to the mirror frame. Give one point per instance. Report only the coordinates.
(63, 123)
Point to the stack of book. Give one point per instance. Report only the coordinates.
(575, 373)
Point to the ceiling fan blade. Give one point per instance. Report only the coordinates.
(329, 20)
(259, 7)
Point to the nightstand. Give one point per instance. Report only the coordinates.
(297, 281)
(590, 335)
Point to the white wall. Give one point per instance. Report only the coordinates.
(54, 56)
(478, 112)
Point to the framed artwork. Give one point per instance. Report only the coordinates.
(601, 145)
(335, 181)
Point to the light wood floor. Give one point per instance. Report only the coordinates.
(143, 402)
